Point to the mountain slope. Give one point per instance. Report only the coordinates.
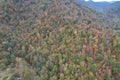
(114, 9)
(56, 40)
(28, 11)
(113, 12)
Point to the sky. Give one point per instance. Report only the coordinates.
(103, 0)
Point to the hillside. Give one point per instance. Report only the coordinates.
(113, 12)
(114, 9)
(18, 13)
(56, 40)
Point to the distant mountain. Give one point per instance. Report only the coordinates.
(110, 10)
(95, 5)
(98, 5)
(113, 11)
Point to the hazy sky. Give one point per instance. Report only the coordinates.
(103, 0)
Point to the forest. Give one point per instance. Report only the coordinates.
(58, 40)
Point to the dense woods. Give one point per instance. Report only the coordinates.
(57, 40)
